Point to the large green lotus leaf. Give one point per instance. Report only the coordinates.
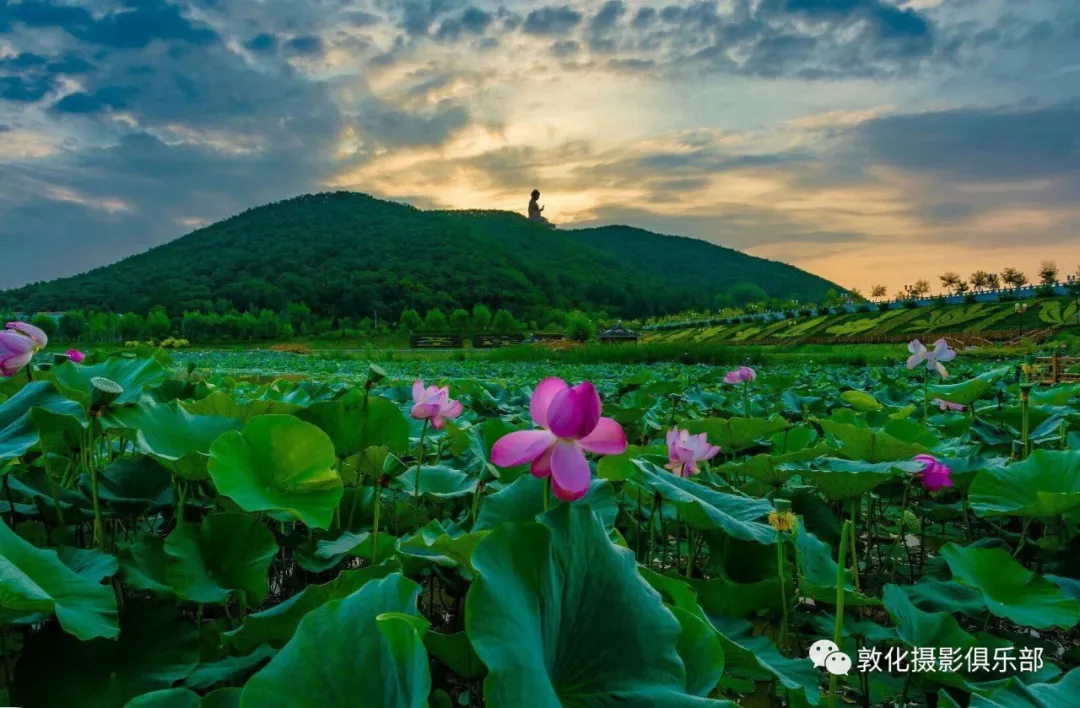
(19, 432)
(472, 446)
(1011, 591)
(327, 553)
(227, 552)
(817, 572)
(927, 629)
(619, 468)
(523, 500)
(436, 544)
(281, 464)
(143, 566)
(156, 648)
(967, 392)
(133, 375)
(89, 563)
(755, 656)
(561, 618)
(861, 401)
(343, 420)
(224, 405)
(35, 580)
(702, 654)
(867, 445)
(186, 698)
(364, 650)
(276, 625)
(1016, 694)
(932, 595)
(838, 478)
(456, 651)
(171, 435)
(231, 669)
(736, 434)
(699, 644)
(133, 486)
(705, 508)
(441, 482)
(1044, 485)
(1059, 395)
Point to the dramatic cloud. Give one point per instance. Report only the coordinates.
(863, 139)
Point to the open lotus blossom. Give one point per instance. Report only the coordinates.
(744, 374)
(933, 358)
(935, 475)
(686, 450)
(433, 404)
(39, 338)
(75, 355)
(16, 351)
(947, 405)
(572, 425)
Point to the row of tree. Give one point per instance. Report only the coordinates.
(296, 320)
(979, 281)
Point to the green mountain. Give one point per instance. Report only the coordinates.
(346, 254)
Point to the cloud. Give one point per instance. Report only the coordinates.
(552, 20)
(304, 46)
(473, 21)
(115, 97)
(131, 27)
(971, 144)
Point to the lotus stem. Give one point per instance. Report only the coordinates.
(180, 502)
(689, 553)
(475, 504)
(363, 457)
(420, 460)
(900, 533)
(838, 631)
(375, 534)
(652, 534)
(1023, 537)
(678, 551)
(547, 489)
(663, 533)
(1025, 447)
(746, 398)
(854, 542)
(780, 560)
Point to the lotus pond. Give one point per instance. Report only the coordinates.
(211, 532)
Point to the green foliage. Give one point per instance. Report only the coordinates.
(434, 321)
(504, 322)
(579, 327)
(347, 254)
(410, 321)
(460, 320)
(481, 317)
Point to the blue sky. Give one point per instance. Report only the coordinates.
(865, 140)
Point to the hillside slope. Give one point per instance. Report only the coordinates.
(349, 254)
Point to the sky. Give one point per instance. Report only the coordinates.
(867, 141)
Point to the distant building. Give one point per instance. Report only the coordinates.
(618, 333)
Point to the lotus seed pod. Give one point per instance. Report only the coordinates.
(103, 391)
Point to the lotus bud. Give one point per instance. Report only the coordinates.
(103, 392)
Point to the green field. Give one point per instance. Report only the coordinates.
(254, 528)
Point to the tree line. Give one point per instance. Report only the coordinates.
(952, 283)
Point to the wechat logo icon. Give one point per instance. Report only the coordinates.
(825, 653)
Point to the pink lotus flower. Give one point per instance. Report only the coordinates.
(75, 355)
(934, 475)
(686, 450)
(434, 404)
(571, 422)
(16, 351)
(933, 359)
(947, 405)
(39, 338)
(744, 374)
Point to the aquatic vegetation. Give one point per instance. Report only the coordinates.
(271, 528)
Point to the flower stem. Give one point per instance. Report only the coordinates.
(900, 533)
(746, 398)
(420, 460)
(375, 533)
(780, 561)
(838, 631)
(854, 543)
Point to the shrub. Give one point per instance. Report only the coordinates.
(410, 321)
(435, 321)
(579, 327)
